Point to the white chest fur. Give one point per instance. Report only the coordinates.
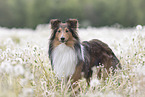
(64, 61)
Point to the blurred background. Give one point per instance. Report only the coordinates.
(95, 13)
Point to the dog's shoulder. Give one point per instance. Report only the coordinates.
(96, 44)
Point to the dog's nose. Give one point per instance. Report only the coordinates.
(62, 38)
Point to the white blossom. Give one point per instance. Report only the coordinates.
(6, 67)
(94, 82)
(138, 27)
(19, 70)
(27, 92)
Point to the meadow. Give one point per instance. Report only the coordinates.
(25, 69)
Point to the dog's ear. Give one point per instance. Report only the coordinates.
(54, 23)
(72, 23)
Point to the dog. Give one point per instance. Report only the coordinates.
(71, 57)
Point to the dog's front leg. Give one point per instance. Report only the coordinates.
(78, 72)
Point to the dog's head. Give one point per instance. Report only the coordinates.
(64, 32)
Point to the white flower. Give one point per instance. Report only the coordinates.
(35, 47)
(8, 50)
(29, 75)
(27, 92)
(94, 82)
(19, 70)
(1, 51)
(139, 69)
(19, 60)
(4, 54)
(6, 67)
(23, 82)
(8, 42)
(111, 94)
(138, 27)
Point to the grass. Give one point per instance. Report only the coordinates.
(25, 69)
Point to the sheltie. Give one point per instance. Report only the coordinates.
(70, 57)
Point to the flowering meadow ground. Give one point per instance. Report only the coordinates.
(25, 69)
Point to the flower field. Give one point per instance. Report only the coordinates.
(25, 69)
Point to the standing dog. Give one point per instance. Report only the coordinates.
(70, 57)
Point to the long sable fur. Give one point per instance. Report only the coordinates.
(95, 53)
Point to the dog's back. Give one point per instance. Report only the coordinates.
(100, 54)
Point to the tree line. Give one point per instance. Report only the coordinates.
(30, 13)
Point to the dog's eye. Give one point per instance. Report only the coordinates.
(66, 30)
(59, 31)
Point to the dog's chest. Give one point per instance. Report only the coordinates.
(64, 61)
